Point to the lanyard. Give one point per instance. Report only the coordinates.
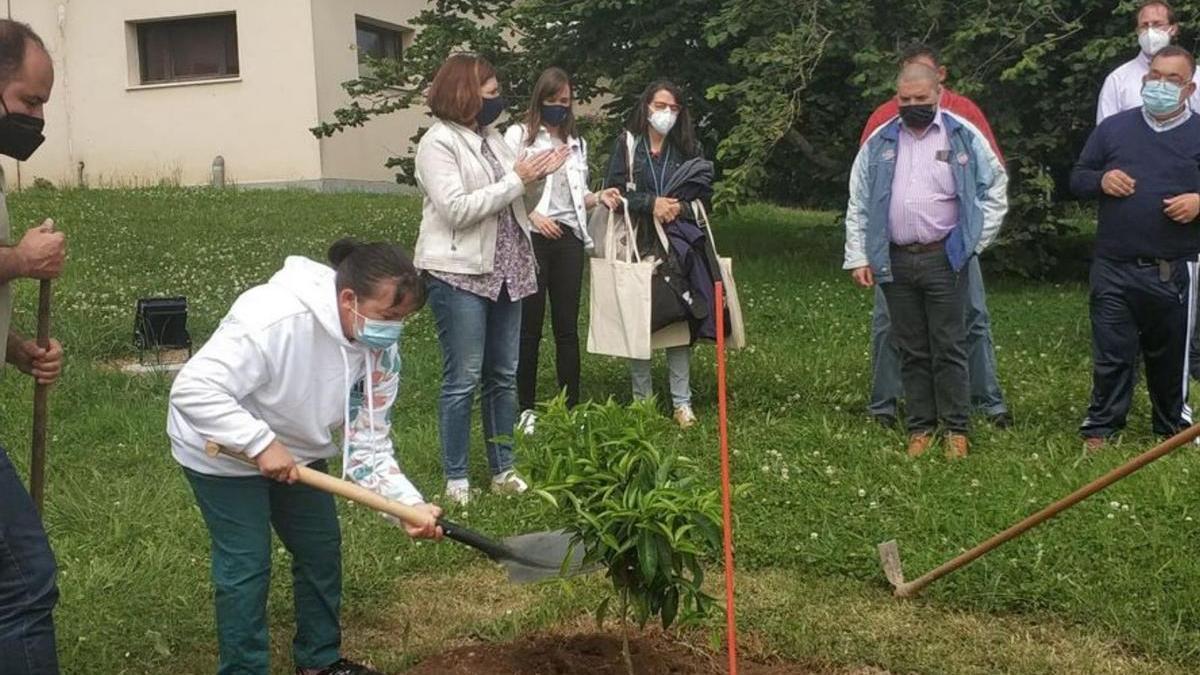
(659, 179)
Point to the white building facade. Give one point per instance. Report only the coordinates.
(151, 91)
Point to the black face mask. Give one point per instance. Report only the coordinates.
(917, 117)
(20, 134)
(554, 115)
(490, 112)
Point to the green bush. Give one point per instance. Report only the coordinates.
(637, 508)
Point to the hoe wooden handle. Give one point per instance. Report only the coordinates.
(336, 486)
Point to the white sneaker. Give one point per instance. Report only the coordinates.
(508, 483)
(684, 417)
(527, 422)
(458, 491)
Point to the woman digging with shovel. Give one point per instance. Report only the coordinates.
(313, 349)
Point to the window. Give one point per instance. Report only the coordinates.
(178, 50)
(377, 41)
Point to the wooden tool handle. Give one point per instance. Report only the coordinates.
(41, 405)
(1168, 446)
(336, 486)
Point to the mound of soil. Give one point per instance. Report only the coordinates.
(591, 654)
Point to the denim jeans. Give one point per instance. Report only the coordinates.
(886, 388)
(679, 365)
(240, 513)
(480, 341)
(28, 590)
(926, 300)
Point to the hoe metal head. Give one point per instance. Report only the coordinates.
(889, 557)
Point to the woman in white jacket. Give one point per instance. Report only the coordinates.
(474, 247)
(312, 350)
(560, 238)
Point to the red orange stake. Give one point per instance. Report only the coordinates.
(726, 497)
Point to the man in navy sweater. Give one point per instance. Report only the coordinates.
(1144, 166)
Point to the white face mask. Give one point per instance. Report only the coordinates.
(1152, 40)
(663, 120)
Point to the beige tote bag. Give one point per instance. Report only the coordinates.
(619, 312)
(737, 322)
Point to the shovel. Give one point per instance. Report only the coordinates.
(41, 406)
(527, 557)
(889, 551)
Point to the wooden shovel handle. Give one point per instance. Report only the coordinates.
(336, 486)
(41, 405)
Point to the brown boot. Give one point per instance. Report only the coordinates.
(919, 443)
(957, 446)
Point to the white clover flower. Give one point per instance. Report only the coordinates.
(1114, 505)
(1034, 456)
(975, 483)
(1124, 507)
(813, 535)
(1111, 516)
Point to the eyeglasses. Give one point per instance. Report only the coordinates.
(659, 106)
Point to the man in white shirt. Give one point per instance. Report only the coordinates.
(1156, 28)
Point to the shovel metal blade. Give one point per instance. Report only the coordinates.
(889, 556)
(543, 555)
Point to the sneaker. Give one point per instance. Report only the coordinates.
(458, 492)
(508, 483)
(919, 443)
(343, 667)
(527, 422)
(957, 446)
(684, 417)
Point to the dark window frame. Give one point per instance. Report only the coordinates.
(390, 37)
(171, 31)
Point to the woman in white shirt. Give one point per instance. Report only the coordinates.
(560, 238)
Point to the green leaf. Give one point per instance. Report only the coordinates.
(602, 612)
(670, 607)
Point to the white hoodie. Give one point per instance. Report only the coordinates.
(279, 366)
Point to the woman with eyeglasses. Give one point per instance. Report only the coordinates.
(658, 139)
(314, 349)
(560, 238)
(475, 248)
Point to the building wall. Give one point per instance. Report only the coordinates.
(358, 154)
(128, 134)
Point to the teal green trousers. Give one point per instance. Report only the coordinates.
(240, 513)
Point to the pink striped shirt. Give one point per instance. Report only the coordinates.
(924, 206)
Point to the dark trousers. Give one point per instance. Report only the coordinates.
(927, 300)
(1132, 308)
(560, 277)
(28, 590)
(240, 513)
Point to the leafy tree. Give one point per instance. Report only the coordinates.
(782, 87)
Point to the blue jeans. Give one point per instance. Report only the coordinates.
(481, 342)
(679, 364)
(240, 513)
(886, 386)
(28, 590)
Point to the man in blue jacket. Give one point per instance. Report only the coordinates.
(1143, 165)
(927, 193)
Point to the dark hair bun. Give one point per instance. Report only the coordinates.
(341, 249)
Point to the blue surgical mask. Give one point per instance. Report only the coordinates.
(377, 333)
(1160, 97)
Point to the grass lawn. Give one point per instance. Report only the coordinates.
(1111, 586)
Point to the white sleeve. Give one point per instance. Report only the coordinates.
(857, 212)
(439, 176)
(208, 391)
(992, 189)
(372, 459)
(1109, 103)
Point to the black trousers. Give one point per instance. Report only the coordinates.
(926, 301)
(560, 278)
(1132, 308)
